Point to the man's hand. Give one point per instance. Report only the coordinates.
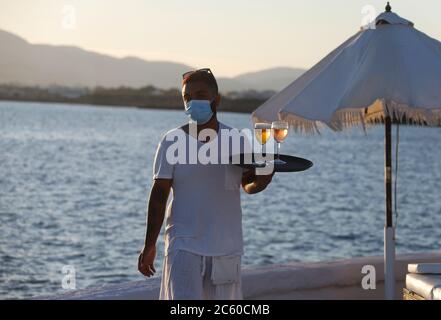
(155, 216)
(263, 180)
(145, 261)
(254, 183)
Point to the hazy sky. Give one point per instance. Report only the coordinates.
(230, 36)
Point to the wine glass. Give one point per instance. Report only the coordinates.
(262, 131)
(280, 131)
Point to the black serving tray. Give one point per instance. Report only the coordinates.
(293, 164)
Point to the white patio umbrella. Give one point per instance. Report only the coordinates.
(387, 74)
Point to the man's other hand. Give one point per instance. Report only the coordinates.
(146, 260)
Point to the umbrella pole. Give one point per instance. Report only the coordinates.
(389, 232)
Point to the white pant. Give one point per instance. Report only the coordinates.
(187, 276)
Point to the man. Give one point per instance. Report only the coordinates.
(203, 233)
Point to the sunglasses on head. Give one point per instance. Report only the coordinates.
(188, 73)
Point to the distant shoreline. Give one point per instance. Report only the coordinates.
(143, 98)
(88, 104)
(172, 108)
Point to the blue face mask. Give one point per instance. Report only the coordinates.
(199, 110)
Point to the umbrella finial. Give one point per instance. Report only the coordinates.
(388, 7)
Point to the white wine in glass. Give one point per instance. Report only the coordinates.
(262, 131)
(280, 132)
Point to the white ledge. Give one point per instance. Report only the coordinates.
(339, 279)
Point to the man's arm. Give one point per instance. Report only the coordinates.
(155, 217)
(253, 183)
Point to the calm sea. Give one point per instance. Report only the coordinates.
(74, 182)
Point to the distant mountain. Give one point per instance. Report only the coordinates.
(38, 64)
(268, 79)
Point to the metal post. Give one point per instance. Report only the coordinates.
(389, 232)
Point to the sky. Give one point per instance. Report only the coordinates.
(229, 36)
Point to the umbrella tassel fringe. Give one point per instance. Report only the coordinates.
(350, 117)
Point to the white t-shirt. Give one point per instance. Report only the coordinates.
(204, 215)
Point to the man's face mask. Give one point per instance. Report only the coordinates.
(199, 111)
